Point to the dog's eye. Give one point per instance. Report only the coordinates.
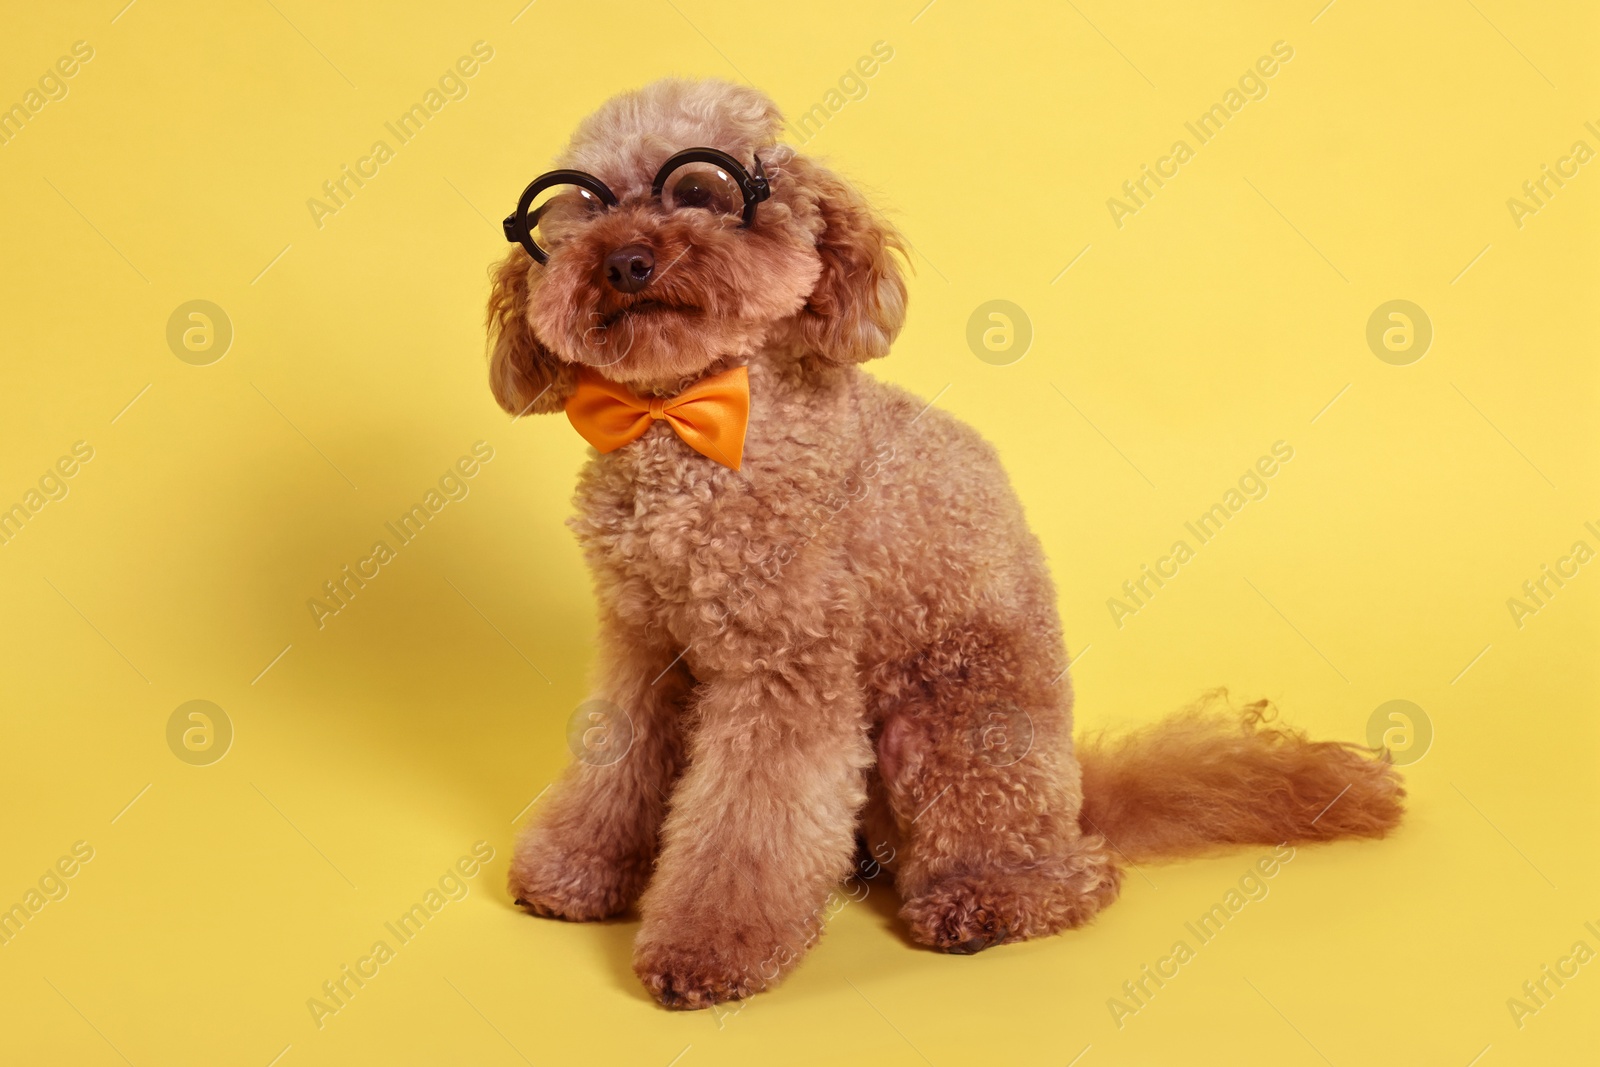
(558, 212)
(704, 186)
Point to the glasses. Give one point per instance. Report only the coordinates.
(555, 204)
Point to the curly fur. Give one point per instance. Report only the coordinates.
(855, 636)
(1245, 781)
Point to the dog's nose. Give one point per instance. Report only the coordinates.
(628, 269)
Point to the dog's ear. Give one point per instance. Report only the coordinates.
(858, 305)
(526, 377)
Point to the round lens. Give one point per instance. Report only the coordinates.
(557, 213)
(705, 186)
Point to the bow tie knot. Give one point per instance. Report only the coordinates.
(710, 416)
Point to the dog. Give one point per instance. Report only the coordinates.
(824, 622)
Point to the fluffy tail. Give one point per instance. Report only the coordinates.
(1211, 776)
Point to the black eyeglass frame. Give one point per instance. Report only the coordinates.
(518, 226)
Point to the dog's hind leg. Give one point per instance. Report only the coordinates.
(589, 850)
(976, 759)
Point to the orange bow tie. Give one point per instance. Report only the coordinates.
(710, 416)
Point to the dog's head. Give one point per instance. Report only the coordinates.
(657, 286)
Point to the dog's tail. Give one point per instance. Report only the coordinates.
(1210, 776)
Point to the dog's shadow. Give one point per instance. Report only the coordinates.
(610, 941)
(883, 902)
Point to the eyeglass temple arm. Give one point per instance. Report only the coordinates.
(759, 185)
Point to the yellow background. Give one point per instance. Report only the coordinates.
(1224, 316)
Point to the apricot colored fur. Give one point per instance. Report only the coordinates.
(854, 637)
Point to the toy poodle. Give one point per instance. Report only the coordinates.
(824, 623)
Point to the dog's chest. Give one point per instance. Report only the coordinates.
(679, 541)
(660, 522)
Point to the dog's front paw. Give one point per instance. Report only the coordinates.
(690, 978)
(697, 961)
(565, 880)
